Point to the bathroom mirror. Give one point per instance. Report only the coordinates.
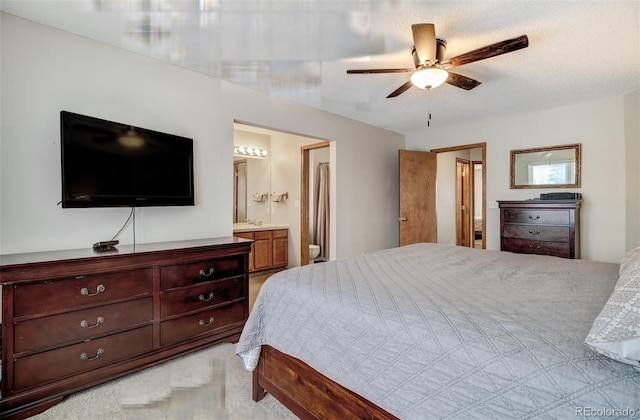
(251, 177)
(546, 167)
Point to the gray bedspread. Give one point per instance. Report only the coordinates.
(436, 331)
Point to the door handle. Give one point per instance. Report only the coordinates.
(402, 219)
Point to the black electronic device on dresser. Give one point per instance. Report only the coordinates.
(75, 319)
(546, 227)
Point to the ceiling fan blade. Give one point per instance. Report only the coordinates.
(370, 71)
(490, 51)
(461, 81)
(400, 90)
(424, 39)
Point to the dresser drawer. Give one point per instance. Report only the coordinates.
(537, 232)
(550, 217)
(204, 322)
(188, 299)
(558, 249)
(201, 271)
(52, 365)
(52, 331)
(81, 291)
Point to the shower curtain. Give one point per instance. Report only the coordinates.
(321, 210)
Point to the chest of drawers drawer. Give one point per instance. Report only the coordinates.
(62, 295)
(212, 293)
(523, 246)
(41, 368)
(180, 275)
(548, 217)
(204, 322)
(56, 330)
(537, 232)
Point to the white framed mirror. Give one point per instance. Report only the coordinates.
(546, 167)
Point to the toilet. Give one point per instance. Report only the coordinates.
(314, 251)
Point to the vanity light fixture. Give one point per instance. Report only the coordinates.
(249, 152)
(429, 77)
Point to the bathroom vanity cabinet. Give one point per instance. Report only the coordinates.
(270, 248)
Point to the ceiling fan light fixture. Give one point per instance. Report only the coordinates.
(131, 139)
(429, 78)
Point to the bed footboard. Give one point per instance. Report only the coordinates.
(306, 392)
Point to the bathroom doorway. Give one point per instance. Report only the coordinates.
(314, 197)
(277, 174)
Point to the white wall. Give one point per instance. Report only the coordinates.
(598, 125)
(44, 71)
(632, 165)
(285, 177)
(446, 195)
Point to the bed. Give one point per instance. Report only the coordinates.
(437, 331)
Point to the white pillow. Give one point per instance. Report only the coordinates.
(616, 331)
(629, 263)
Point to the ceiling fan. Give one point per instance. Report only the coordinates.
(431, 70)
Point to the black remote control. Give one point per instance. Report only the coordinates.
(105, 245)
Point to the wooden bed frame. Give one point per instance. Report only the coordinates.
(306, 392)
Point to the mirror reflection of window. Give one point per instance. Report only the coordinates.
(552, 173)
(546, 167)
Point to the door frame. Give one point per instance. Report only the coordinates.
(305, 166)
(482, 146)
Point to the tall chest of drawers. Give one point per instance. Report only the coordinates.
(546, 227)
(74, 319)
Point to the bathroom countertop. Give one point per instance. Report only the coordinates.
(247, 227)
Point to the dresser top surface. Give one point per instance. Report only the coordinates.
(540, 203)
(9, 260)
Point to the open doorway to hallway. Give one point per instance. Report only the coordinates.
(461, 195)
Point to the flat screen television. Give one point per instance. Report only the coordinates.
(109, 164)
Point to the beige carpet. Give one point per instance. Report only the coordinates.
(209, 384)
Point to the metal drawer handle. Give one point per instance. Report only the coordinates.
(205, 274)
(206, 298)
(537, 232)
(537, 247)
(85, 356)
(205, 324)
(534, 218)
(85, 292)
(85, 324)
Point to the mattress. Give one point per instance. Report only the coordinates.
(438, 331)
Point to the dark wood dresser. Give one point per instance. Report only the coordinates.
(75, 319)
(546, 227)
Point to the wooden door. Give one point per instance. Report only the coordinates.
(417, 197)
(280, 248)
(262, 248)
(463, 202)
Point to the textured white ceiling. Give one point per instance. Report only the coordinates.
(578, 50)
